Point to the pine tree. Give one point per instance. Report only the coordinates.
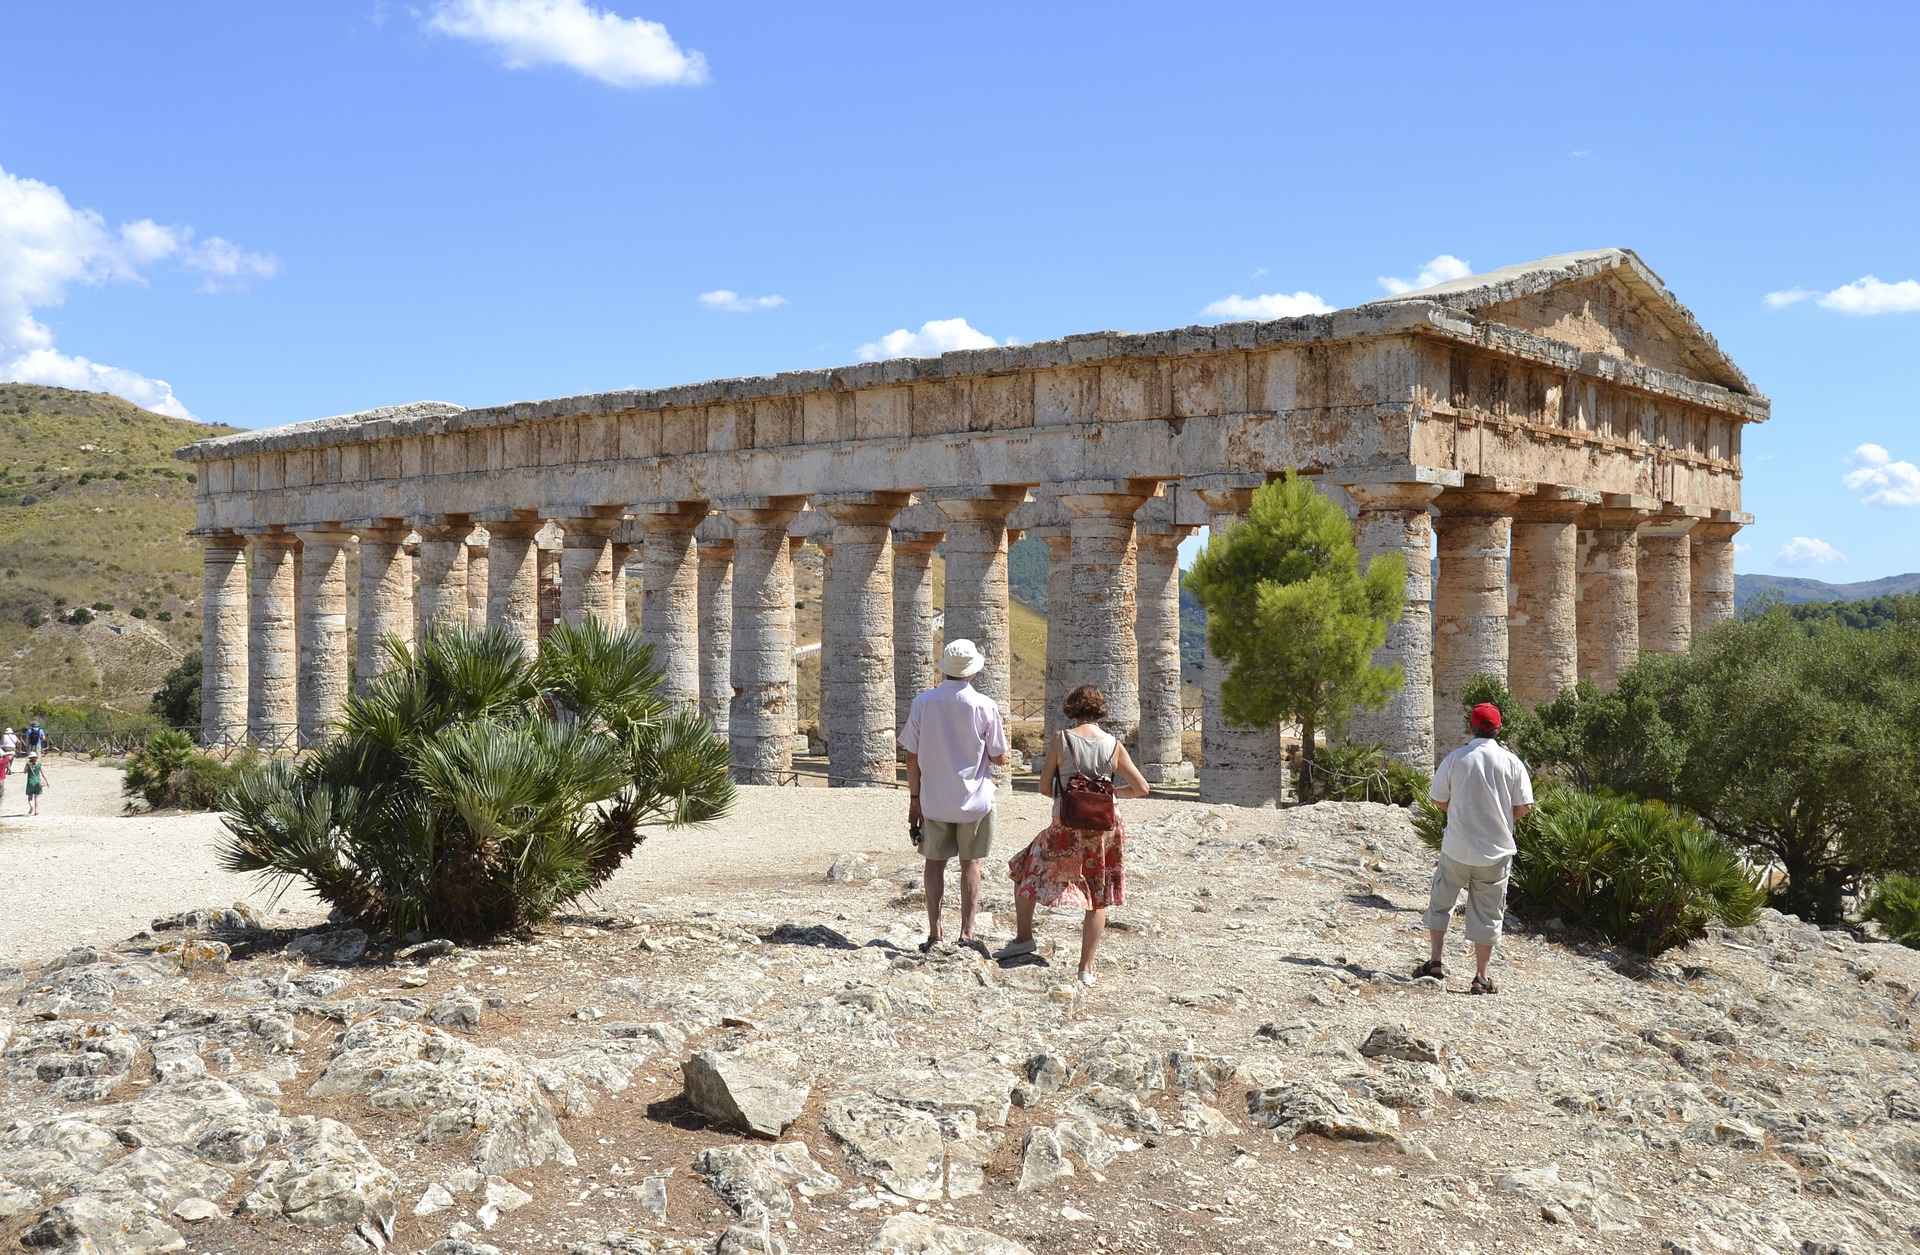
(1294, 619)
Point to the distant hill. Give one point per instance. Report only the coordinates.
(1794, 589)
(94, 510)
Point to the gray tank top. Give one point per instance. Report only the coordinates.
(1084, 756)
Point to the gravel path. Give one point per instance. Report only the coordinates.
(84, 873)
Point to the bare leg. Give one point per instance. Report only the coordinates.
(1481, 956)
(1090, 930)
(936, 889)
(969, 896)
(1023, 909)
(1439, 939)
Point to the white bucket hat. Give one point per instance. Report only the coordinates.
(961, 659)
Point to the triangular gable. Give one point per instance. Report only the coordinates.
(1603, 301)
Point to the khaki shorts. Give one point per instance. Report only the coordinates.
(942, 840)
(1486, 890)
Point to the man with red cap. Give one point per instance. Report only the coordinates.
(1484, 788)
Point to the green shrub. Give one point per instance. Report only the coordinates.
(171, 771)
(80, 616)
(138, 612)
(1639, 874)
(473, 790)
(1349, 772)
(1895, 906)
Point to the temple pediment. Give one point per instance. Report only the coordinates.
(1602, 301)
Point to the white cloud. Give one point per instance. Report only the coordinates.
(941, 335)
(1808, 551)
(1238, 308)
(622, 51)
(1442, 268)
(1885, 481)
(734, 303)
(1866, 295)
(47, 245)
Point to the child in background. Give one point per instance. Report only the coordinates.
(36, 783)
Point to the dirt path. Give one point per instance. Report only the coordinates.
(85, 873)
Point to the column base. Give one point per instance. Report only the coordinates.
(1168, 773)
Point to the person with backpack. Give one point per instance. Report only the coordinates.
(1078, 860)
(36, 738)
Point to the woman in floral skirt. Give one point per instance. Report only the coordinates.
(1074, 866)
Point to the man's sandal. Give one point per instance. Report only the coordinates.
(1482, 985)
(1433, 968)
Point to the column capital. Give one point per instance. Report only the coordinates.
(218, 538)
(1477, 501)
(1099, 498)
(1674, 520)
(1554, 503)
(445, 527)
(1714, 530)
(916, 541)
(1621, 510)
(1392, 495)
(716, 550)
(590, 531)
(1349, 477)
(762, 510)
(990, 503)
(871, 508)
(1163, 535)
(324, 535)
(274, 536)
(512, 522)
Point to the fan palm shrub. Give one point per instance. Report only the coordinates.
(170, 770)
(473, 790)
(1895, 906)
(1639, 874)
(1355, 772)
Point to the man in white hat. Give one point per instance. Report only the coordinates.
(954, 738)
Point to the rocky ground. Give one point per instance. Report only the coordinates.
(756, 1057)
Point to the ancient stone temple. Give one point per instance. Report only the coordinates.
(1562, 434)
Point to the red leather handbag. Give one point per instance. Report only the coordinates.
(1087, 803)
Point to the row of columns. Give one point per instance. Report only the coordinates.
(1595, 582)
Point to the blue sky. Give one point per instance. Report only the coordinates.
(287, 211)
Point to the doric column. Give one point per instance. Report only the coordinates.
(1470, 605)
(1711, 560)
(513, 578)
(1609, 610)
(324, 669)
(1664, 569)
(272, 641)
(1238, 766)
(224, 632)
(913, 615)
(1059, 543)
(586, 569)
(478, 548)
(1398, 518)
(1156, 631)
(622, 555)
(670, 599)
(386, 596)
(794, 545)
(976, 593)
(1105, 582)
(1543, 643)
(716, 632)
(443, 574)
(856, 639)
(760, 723)
(549, 588)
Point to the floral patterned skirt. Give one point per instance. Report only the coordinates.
(1073, 867)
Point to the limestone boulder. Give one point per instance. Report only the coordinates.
(1399, 1041)
(87, 1225)
(900, 1147)
(1323, 1108)
(910, 1234)
(339, 946)
(323, 1175)
(750, 1086)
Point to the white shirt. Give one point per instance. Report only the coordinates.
(8, 743)
(955, 730)
(1481, 783)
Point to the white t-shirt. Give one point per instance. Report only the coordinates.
(8, 743)
(1481, 783)
(955, 731)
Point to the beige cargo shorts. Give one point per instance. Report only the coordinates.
(942, 840)
(1486, 890)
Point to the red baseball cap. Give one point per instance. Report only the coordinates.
(1486, 717)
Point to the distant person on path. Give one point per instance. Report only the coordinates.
(1076, 866)
(1485, 790)
(36, 738)
(8, 742)
(954, 738)
(36, 783)
(6, 769)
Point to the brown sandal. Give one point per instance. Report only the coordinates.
(1433, 968)
(1482, 985)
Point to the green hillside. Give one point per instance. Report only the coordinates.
(94, 511)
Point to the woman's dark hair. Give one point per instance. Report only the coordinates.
(1086, 703)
